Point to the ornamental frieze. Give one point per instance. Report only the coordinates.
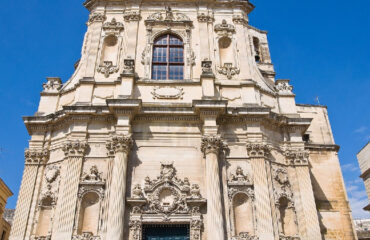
(258, 149)
(34, 156)
(96, 17)
(75, 148)
(297, 157)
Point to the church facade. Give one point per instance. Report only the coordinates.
(173, 126)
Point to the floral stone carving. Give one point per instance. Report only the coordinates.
(229, 70)
(107, 68)
(167, 92)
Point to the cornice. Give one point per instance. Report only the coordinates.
(322, 147)
(166, 112)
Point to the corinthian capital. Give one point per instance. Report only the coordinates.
(212, 144)
(297, 157)
(96, 17)
(258, 149)
(119, 143)
(75, 148)
(33, 156)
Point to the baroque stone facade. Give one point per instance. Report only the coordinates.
(174, 117)
(5, 225)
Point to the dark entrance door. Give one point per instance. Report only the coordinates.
(166, 232)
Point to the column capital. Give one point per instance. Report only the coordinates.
(75, 148)
(119, 143)
(96, 17)
(36, 156)
(258, 149)
(212, 144)
(297, 157)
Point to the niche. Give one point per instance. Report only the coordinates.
(257, 52)
(243, 214)
(44, 221)
(226, 51)
(288, 226)
(89, 214)
(110, 49)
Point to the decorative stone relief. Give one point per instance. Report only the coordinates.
(41, 237)
(297, 157)
(245, 236)
(169, 196)
(107, 68)
(33, 156)
(129, 66)
(207, 68)
(212, 144)
(228, 70)
(283, 87)
(240, 19)
(282, 188)
(241, 189)
(224, 29)
(96, 17)
(239, 178)
(86, 236)
(113, 27)
(202, 17)
(75, 148)
(92, 181)
(50, 191)
(168, 18)
(132, 16)
(53, 85)
(288, 238)
(167, 92)
(258, 149)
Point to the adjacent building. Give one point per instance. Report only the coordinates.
(174, 126)
(5, 226)
(364, 161)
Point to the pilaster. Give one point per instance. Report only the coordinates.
(33, 159)
(67, 202)
(121, 146)
(308, 221)
(258, 153)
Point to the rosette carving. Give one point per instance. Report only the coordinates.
(33, 156)
(212, 144)
(75, 148)
(119, 143)
(258, 149)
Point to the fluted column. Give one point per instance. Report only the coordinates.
(308, 220)
(33, 160)
(67, 200)
(211, 147)
(257, 152)
(121, 145)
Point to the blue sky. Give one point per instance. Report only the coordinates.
(322, 46)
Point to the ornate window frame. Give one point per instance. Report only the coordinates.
(147, 206)
(174, 23)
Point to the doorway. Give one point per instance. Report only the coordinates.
(166, 232)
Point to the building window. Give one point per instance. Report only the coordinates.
(168, 58)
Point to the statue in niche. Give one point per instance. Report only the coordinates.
(93, 175)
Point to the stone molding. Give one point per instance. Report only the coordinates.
(35, 156)
(212, 144)
(75, 148)
(167, 92)
(258, 150)
(119, 143)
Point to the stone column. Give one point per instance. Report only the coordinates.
(67, 201)
(308, 220)
(211, 147)
(33, 159)
(121, 145)
(257, 152)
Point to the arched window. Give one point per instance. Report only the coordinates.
(168, 58)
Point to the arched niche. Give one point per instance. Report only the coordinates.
(45, 214)
(287, 221)
(110, 49)
(226, 51)
(257, 51)
(89, 214)
(243, 214)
